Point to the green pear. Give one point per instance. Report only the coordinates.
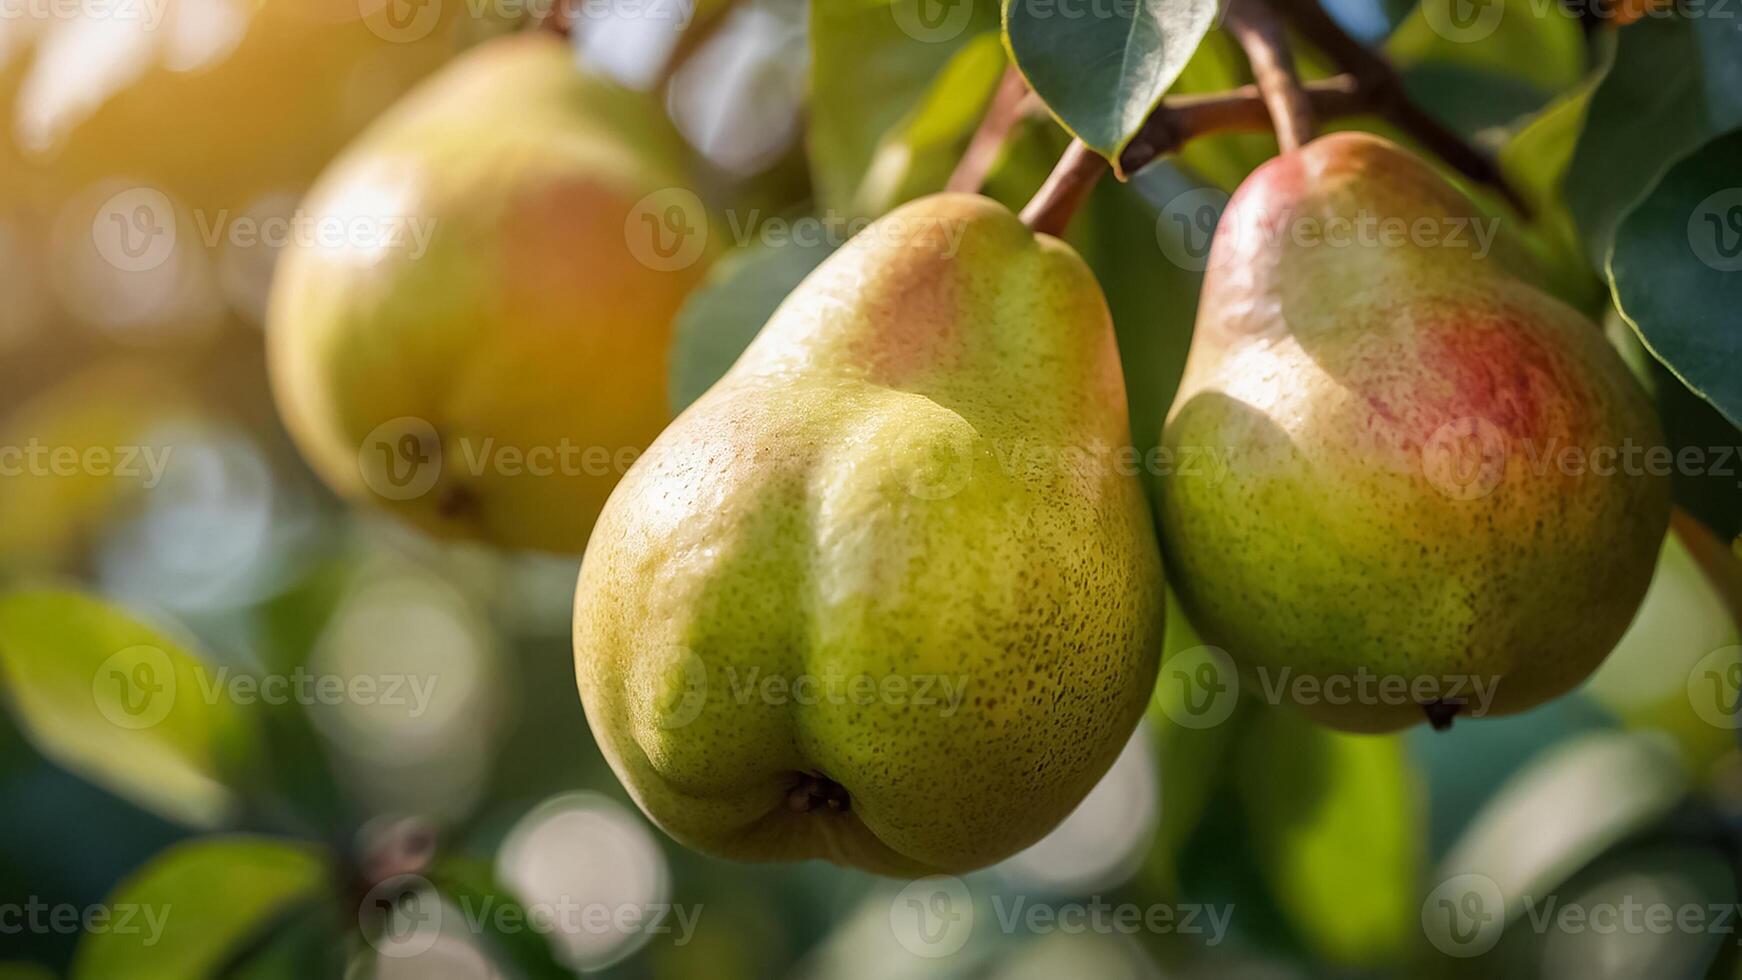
(888, 594)
(472, 326)
(1405, 484)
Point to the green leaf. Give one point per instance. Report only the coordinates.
(122, 705)
(721, 317)
(192, 907)
(1568, 805)
(1104, 71)
(1522, 40)
(1675, 83)
(872, 63)
(916, 157)
(1675, 270)
(1336, 822)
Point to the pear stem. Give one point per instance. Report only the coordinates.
(1069, 184)
(995, 126)
(1262, 37)
(1440, 713)
(1383, 88)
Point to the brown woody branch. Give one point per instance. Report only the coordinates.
(1262, 37)
(1176, 121)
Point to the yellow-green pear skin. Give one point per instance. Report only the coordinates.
(1429, 482)
(468, 333)
(875, 598)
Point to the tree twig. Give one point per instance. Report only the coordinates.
(1177, 120)
(1381, 85)
(1262, 37)
(1183, 117)
(1066, 188)
(1003, 113)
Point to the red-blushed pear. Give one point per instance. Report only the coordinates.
(884, 596)
(1431, 494)
(473, 332)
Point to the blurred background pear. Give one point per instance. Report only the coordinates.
(481, 345)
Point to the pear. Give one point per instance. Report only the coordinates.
(888, 594)
(1423, 486)
(471, 330)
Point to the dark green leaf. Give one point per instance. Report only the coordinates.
(1103, 69)
(1676, 82)
(1677, 272)
(123, 705)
